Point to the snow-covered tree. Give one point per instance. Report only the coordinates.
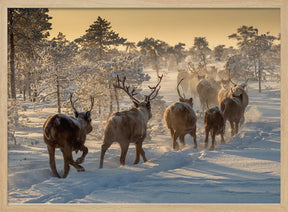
(177, 51)
(130, 47)
(98, 40)
(201, 48)
(58, 56)
(15, 120)
(98, 79)
(27, 27)
(219, 52)
(154, 50)
(254, 46)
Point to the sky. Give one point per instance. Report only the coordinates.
(169, 25)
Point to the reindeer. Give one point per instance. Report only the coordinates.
(191, 77)
(129, 126)
(181, 119)
(215, 124)
(69, 134)
(232, 111)
(236, 90)
(207, 91)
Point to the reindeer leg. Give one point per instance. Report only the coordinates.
(68, 160)
(232, 127)
(82, 158)
(104, 148)
(51, 150)
(139, 149)
(222, 138)
(193, 134)
(143, 154)
(175, 145)
(182, 141)
(124, 149)
(236, 127)
(206, 136)
(213, 140)
(137, 153)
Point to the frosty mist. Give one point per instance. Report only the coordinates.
(43, 72)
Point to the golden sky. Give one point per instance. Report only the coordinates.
(170, 25)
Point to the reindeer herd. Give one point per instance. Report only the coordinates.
(68, 133)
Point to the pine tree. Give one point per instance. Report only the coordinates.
(202, 49)
(26, 29)
(177, 51)
(218, 52)
(254, 46)
(98, 40)
(154, 50)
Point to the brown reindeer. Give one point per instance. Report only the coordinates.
(232, 111)
(181, 119)
(215, 124)
(207, 92)
(236, 90)
(129, 126)
(69, 134)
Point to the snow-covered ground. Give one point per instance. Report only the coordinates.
(244, 170)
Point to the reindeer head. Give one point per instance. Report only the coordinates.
(144, 104)
(237, 90)
(84, 118)
(182, 98)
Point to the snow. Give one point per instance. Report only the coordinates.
(244, 170)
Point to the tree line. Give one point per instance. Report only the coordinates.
(54, 67)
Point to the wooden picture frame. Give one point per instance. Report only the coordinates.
(282, 4)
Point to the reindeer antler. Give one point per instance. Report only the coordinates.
(232, 82)
(72, 103)
(192, 68)
(125, 88)
(154, 89)
(246, 80)
(178, 89)
(92, 102)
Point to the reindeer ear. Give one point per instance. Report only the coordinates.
(88, 114)
(148, 105)
(76, 113)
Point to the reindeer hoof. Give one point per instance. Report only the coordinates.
(80, 169)
(79, 160)
(176, 147)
